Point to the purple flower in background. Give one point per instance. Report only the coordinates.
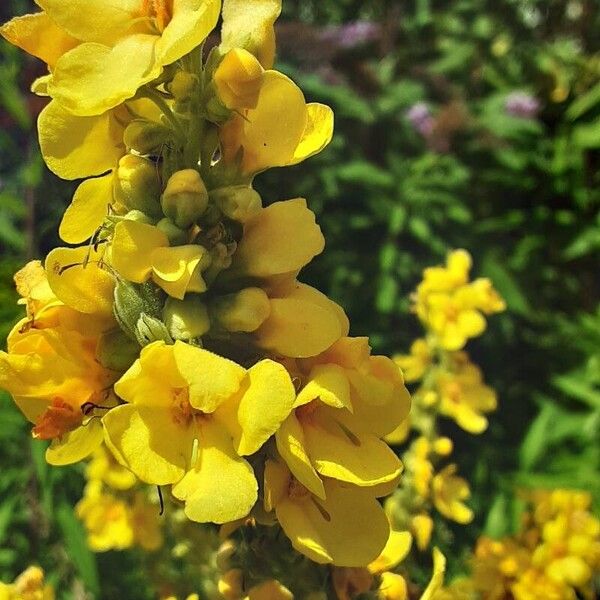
(420, 118)
(351, 35)
(522, 105)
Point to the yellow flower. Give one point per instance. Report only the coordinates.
(322, 528)
(106, 519)
(449, 491)
(450, 307)
(141, 252)
(146, 523)
(29, 585)
(52, 373)
(190, 417)
(437, 579)
(281, 130)
(463, 395)
(419, 465)
(103, 467)
(417, 362)
(121, 47)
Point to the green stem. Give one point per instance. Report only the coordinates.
(162, 104)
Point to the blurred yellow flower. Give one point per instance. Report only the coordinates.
(449, 491)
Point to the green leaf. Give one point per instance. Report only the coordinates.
(581, 105)
(75, 541)
(578, 389)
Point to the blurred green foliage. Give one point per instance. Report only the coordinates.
(521, 193)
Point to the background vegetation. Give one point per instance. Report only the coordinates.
(517, 187)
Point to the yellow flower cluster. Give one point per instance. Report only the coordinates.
(451, 310)
(114, 510)
(29, 585)
(554, 557)
(175, 330)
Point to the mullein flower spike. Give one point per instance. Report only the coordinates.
(174, 343)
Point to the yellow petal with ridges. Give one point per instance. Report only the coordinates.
(38, 35)
(318, 132)
(291, 445)
(329, 384)
(298, 329)
(91, 79)
(132, 247)
(221, 487)
(75, 147)
(178, 270)
(75, 445)
(211, 378)
(88, 210)
(92, 20)
(148, 442)
(265, 404)
(281, 238)
(189, 26)
(339, 452)
(78, 279)
(321, 529)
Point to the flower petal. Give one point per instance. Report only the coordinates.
(78, 278)
(264, 405)
(92, 20)
(75, 445)
(148, 442)
(38, 35)
(291, 445)
(211, 378)
(328, 383)
(221, 487)
(75, 147)
(249, 25)
(322, 534)
(192, 21)
(91, 78)
(132, 247)
(88, 209)
(318, 132)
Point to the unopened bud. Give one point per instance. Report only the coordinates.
(116, 351)
(176, 236)
(145, 137)
(186, 319)
(182, 85)
(238, 79)
(244, 311)
(136, 185)
(216, 111)
(185, 198)
(237, 202)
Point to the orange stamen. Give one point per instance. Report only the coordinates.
(58, 419)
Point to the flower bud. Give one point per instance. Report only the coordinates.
(186, 319)
(176, 236)
(116, 350)
(185, 198)
(136, 185)
(145, 137)
(182, 85)
(237, 202)
(238, 79)
(244, 311)
(138, 216)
